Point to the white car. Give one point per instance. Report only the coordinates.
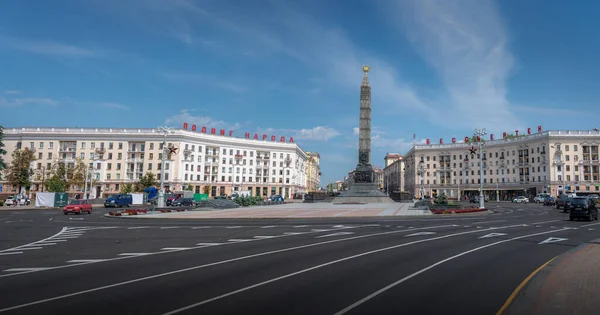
(10, 201)
(521, 199)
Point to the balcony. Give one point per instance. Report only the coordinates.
(65, 149)
(134, 150)
(261, 157)
(239, 156)
(100, 150)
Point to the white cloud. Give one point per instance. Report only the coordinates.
(112, 105)
(467, 45)
(227, 85)
(16, 102)
(12, 92)
(185, 116)
(49, 48)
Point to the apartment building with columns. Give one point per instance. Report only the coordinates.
(118, 156)
(393, 173)
(552, 161)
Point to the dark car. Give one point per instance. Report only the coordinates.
(583, 207)
(549, 201)
(562, 202)
(183, 202)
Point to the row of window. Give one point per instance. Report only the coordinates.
(244, 179)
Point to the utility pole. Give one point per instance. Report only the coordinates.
(161, 193)
(85, 189)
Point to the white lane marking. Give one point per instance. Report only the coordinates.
(310, 269)
(43, 244)
(27, 248)
(239, 240)
(233, 227)
(169, 227)
(85, 260)
(10, 253)
(300, 226)
(266, 236)
(200, 227)
(553, 240)
(485, 222)
(590, 229)
(233, 260)
(175, 248)
(138, 227)
(546, 222)
(267, 227)
(78, 219)
(420, 233)
(203, 245)
(492, 235)
(295, 233)
(33, 243)
(376, 293)
(134, 254)
(319, 230)
(335, 234)
(57, 240)
(64, 238)
(590, 224)
(27, 269)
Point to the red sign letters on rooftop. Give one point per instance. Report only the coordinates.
(468, 139)
(222, 132)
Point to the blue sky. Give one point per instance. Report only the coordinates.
(438, 68)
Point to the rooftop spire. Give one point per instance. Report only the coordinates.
(365, 81)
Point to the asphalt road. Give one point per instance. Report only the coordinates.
(88, 264)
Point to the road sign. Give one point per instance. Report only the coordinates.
(61, 199)
(0, 188)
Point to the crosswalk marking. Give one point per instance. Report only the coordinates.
(175, 248)
(27, 269)
(85, 260)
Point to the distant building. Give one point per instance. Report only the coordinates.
(313, 171)
(552, 161)
(118, 156)
(393, 173)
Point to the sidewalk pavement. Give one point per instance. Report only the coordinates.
(569, 284)
(33, 207)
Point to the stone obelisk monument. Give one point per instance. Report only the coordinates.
(364, 189)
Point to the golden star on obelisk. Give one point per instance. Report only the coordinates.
(366, 69)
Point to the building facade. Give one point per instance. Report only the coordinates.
(313, 171)
(120, 156)
(551, 161)
(393, 173)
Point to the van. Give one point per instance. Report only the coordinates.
(119, 200)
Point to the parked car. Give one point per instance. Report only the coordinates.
(562, 202)
(183, 202)
(549, 201)
(540, 198)
(78, 206)
(521, 199)
(275, 198)
(583, 207)
(10, 201)
(120, 200)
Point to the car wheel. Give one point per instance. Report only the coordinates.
(571, 218)
(590, 217)
(65, 213)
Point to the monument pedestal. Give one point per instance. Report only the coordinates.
(363, 193)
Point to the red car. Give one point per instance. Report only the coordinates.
(78, 206)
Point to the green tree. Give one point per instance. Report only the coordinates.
(126, 188)
(76, 174)
(2, 151)
(147, 181)
(19, 172)
(56, 183)
(474, 139)
(188, 187)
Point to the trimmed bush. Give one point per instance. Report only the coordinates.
(1, 203)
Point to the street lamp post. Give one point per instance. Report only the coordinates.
(421, 172)
(480, 133)
(161, 194)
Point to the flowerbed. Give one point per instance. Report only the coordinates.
(127, 212)
(456, 211)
